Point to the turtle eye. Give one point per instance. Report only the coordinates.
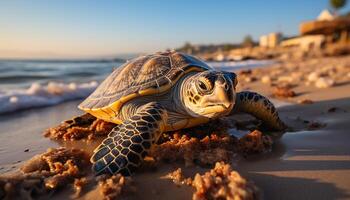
(204, 85)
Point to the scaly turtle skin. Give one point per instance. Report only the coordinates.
(164, 92)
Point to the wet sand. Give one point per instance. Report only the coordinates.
(21, 133)
(307, 164)
(304, 164)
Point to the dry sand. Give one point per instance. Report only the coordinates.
(312, 162)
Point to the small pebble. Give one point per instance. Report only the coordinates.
(13, 99)
(285, 79)
(324, 83)
(250, 79)
(245, 72)
(313, 77)
(315, 125)
(265, 79)
(333, 109)
(284, 92)
(305, 101)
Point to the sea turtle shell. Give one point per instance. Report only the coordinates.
(145, 75)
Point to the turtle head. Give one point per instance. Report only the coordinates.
(210, 93)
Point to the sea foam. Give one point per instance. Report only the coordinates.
(38, 95)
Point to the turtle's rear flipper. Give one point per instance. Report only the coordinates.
(260, 107)
(82, 120)
(128, 143)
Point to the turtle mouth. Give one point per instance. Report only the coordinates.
(224, 106)
(217, 108)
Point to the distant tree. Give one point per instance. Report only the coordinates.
(187, 47)
(248, 41)
(337, 4)
(227, 47)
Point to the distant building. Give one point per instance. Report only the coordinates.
(264, 41)
(335, 29)
(271, 40)
(306, 43)
(324, 30)
(220, 57)
(325, 15)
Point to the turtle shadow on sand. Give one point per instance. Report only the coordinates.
(276, 187)
(308, 163)
(277, 175)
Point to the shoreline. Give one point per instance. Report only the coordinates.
(32, 91)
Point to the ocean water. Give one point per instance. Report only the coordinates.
(29, 84)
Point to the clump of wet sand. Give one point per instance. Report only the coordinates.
(59, 169)
(112, 187)
(45, 173)
(211, 148)
(255, 142)
(203, 145)
(85, 127)
(283, 92)
(63, 168)
(221, 182)
(193, 150)
(178, 178)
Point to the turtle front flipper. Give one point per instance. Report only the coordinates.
(260, 107)
(128, 143)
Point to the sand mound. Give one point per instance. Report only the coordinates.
(57, 169)
(45, 173)
(113, 187)
(205, 151)
(221, 182)
(82, 127)
(255, 142)
(203, 145)
(209, 149)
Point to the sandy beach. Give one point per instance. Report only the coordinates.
(310, 162)
(201, 100)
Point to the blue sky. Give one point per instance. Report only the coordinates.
(75, 28)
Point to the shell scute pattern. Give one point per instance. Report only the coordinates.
(140, 74)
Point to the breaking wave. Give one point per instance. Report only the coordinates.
(39, 95)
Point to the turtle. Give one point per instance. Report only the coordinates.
(160, 92)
